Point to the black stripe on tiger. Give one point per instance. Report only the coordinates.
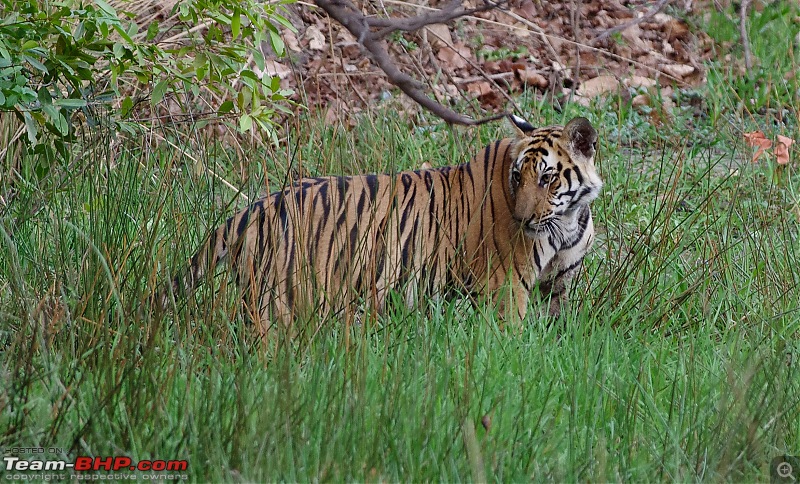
(315, 248)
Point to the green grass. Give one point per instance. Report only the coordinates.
(675, 359)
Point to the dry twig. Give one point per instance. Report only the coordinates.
(748, 58)
(361, 26)
(619, 28)
(540, 32)
(588, 47)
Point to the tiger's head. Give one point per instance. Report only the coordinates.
(552, 175)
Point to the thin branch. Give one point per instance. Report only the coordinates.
(359, 25)
(539, 31)
(748, 58)
(619, 28)
(532, 26)
(491, 77)
(451, 11)
(184, 152)
(483, 76)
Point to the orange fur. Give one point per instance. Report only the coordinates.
(327, 244)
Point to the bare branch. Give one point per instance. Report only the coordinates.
(545, 37)
(619, 28)
(451, 11)
(542, 35)
(344, 12)
(748, 57)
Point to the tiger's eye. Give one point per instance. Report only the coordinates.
(516, 177)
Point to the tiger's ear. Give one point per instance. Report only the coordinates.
(524, 127)
(581, 137)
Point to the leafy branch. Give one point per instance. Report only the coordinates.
(58, 60)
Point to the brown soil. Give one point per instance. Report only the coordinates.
(583, 49)
(594, 47)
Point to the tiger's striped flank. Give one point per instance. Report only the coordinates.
(516, 214)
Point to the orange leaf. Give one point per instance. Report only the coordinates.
(480, 88)
(782, 150)
(757, 139)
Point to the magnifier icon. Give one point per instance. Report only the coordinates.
(785, 471)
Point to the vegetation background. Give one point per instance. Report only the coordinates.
(676, 358)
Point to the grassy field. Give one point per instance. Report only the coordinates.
(677, 357)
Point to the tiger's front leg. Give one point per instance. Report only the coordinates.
(555, 286)
(562, 268)
(511, 299)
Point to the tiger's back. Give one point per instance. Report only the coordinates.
(327, 244)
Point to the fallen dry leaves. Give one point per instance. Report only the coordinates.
(757, 139)
(493, 54)
(456, 56)
(315, 38)
(530, 77)
(551, 47)
(782, 149)
(599, 86)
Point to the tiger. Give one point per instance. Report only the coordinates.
(516, 215)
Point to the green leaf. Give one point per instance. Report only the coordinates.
(118, 50)
(126, 127)
(44, 96)
(50, 110)
(258, 58)
(10, 19)
(152, 30)
(283, 21)
(62, 149)
(225, 107)
(248, 74)
(26, 94)
(60, 122)
(277, 43)
(126, 106)
(85, 73)
(9, 73)
(45, 153)
(31, 127)
(122, 33)
(245, 123)
(106, 7)
(70, 103)
(236, 24)
(159, 91)
(36, 64)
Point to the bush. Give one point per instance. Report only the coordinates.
(68, 63)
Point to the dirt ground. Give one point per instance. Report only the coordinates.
(479, 64)
(583, 49)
